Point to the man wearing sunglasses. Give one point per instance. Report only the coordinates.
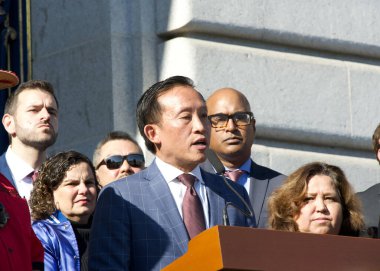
(145, 221)
(116, 156)
(232, 134)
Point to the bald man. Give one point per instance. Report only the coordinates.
(232, 135)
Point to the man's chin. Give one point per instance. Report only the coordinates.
(200, 158)
(233, 151)
(41, 144)
(197, 159)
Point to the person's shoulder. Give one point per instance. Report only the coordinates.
(130, 179)
(124, 187)
(46, 228)
(51, 234)
(39, 226)
(375, 187)
(262, 172)
(372, 191)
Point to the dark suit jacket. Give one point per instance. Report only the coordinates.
(370, 199)
(263, 181)
(137, 225)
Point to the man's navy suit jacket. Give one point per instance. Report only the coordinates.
(137, 225)
(263, 181)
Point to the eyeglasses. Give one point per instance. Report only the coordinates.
(115, 161)
(239, 118)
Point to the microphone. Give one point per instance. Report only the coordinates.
(219, 168)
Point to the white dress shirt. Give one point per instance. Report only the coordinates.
(178, 189)
(20, 171)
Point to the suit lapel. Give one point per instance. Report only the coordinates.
(257, 191)
(4, 169)
(166, 204)
(206, 166)
(216, 203)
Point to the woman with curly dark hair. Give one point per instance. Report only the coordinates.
(62, 202)
(316, 198)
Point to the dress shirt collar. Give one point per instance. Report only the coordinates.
(171, 173)
(18, 167)
(245, 167)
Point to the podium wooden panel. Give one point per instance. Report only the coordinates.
(238, 248)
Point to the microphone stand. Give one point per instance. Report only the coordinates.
(219, 168)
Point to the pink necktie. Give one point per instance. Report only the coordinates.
(192, 210)
(234, 175)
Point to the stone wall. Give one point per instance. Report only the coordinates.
(311, 70)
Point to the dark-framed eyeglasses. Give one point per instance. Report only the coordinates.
(239, 118)
(115, 161)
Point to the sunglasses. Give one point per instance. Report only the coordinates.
(115, 161)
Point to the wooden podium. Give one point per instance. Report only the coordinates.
(238, 248)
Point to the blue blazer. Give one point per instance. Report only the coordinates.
(137, 225)
(5, 170)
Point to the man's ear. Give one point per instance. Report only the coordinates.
(98, 182)
(254, 125)
(152, 132)
(9, 124)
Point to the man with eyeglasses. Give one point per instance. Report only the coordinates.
(232, 135)
(145, 221)
(116, 156)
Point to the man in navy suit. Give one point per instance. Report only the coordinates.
(139, 220)
(232, 134)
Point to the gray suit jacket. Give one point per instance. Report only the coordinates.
(370, 199)
(263, 181)
(137, 225)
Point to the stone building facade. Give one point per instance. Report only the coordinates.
(310, 69)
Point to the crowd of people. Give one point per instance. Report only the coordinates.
(117, 213)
